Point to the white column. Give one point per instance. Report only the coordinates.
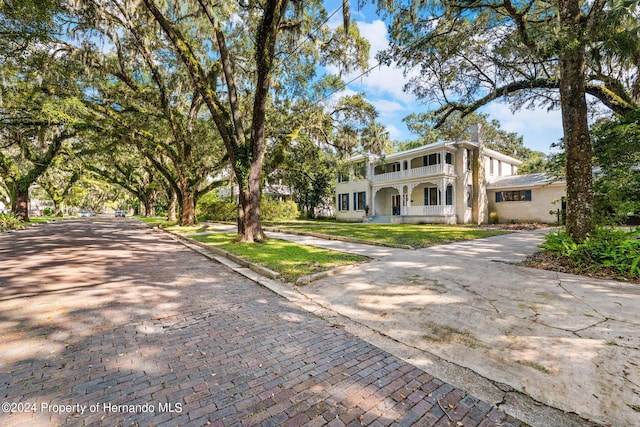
(372, 204)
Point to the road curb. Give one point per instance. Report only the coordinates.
(232, 257)
(306, 280)
(264, 271)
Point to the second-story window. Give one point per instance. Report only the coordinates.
(360, 170)
(431, 159)
(343, 176)
(448, 158)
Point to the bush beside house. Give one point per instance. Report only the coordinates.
(211, 208)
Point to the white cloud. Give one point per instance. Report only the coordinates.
(394, 132)
(382, 80)
(388, 108)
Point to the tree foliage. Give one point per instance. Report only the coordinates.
(617, 159)
(143, 98)
(40, 113)
(305, 158)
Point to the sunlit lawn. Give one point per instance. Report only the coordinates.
(415, 235)
(291, 260)
(156, 220)
(173, 225)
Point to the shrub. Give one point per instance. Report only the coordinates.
(494, 218)
(276, 210)
(9, 220)
(210, 208)
(607, 249)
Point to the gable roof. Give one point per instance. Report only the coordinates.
(433, 148)
(530, 180)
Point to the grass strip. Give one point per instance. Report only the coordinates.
(289, 259)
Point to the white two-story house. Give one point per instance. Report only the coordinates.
(444, 182)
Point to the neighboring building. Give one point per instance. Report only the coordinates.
(443, 182)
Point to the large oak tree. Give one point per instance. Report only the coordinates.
(243, 55)
(528, 53)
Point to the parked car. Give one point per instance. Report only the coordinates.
(120, 214)
(84, 214)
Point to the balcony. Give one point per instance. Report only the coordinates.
(414, 173)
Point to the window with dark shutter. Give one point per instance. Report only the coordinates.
(513, 196)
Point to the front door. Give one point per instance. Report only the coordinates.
(395, 204)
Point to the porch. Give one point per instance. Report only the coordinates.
(425, 202)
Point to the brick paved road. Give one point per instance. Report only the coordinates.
(128, 326)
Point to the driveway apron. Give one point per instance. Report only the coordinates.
(567, 341)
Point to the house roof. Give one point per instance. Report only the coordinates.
(433, 147)
(401, 154)
(501, 156)
(530, 180)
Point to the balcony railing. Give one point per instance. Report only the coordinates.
(425, 171)
(434, 210)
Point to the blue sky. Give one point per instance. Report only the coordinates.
(384, 89)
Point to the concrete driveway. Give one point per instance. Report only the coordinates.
(567, 341)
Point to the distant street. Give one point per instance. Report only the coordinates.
(106, 322)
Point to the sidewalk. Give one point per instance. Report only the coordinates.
(570, 342)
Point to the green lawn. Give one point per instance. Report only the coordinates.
(291, 260)
(39, 219)
(155, 220)
(415, 235)
(7, 221)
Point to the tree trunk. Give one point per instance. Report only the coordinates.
(188, 207)
(575, 124)
(249, 223)
(149, 207)
(20, 202)
(57, 208)
(173, 203)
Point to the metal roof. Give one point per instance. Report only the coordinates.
(530, 180)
